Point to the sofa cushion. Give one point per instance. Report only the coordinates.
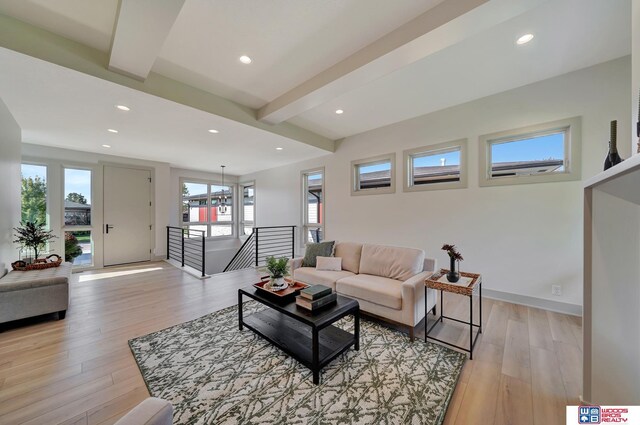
(391, 261)
(333, 264)
(322, 249)
(350, 253)
(319, 277)
(375, 289)
(18, 281)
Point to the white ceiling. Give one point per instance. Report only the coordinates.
(56, 106)
(291, 42)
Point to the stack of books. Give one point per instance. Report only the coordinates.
(315, 297)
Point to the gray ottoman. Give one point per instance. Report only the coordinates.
(35, 292)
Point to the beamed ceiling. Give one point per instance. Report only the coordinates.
(64, 64)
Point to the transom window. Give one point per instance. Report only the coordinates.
(208, 207)
(537, 154)
(373, 175)
(441, 166)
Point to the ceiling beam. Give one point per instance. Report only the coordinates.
(141, 29)
(29, 40)
(444, 25)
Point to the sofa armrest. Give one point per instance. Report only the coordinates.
(152, 411)
(294, 263)
(430, 264)
(413, 298)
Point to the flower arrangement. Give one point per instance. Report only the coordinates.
(452, 251)
(454, 255)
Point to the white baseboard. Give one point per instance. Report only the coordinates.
(557, 306)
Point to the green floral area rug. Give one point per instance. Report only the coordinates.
(214, 373)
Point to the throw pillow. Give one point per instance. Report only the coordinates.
(333, 264)
(322, 249)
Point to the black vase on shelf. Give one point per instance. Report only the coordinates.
(613, 158)
(453, 275)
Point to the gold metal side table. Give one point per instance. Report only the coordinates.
(466, 286)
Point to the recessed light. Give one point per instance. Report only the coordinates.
(525, 39)
(213, 131)
(339, 111)
(111, 130)
(106, 146)
(278, 149)
(245, 59)
(123, 108)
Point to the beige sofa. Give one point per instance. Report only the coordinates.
(152, 411)
(387, 281)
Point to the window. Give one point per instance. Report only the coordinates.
(441, 166)
(248, 208)
(543, 153)
(313, 205)
(208, 207)
(78, 242)
(373, 175)
(34, 193)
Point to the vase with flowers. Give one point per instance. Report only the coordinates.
(454, 257)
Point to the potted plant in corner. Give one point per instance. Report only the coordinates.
(278, 268)
(33, 236)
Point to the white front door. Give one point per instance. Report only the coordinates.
(127, 215)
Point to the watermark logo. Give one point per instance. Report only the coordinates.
(588, 414)
(603, 415)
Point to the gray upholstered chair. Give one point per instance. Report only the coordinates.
(152, 411)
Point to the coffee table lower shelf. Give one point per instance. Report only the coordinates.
(297, 339)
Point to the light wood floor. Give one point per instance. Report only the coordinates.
(526, 368)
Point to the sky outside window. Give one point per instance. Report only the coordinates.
(77, 181)
(536, 148)
(364, 169)
(435, 159)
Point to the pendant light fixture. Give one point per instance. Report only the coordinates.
(222, 198)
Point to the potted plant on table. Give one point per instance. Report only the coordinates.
(32, 235)
(278, 268)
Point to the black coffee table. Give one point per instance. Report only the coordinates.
(308, 337)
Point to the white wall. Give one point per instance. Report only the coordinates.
(10, 146)
(635, 76)
(56, 158)
(523, 238)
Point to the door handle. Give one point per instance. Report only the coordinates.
(107, 227)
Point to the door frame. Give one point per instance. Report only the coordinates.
(152, 207)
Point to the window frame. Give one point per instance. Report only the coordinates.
(355, 175)
(572, 127)
(305, 205)
(446, 147)
(243, 222)
(210, 195)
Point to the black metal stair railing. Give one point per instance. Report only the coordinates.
(277, 241)
(187, 246)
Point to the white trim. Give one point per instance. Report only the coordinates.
(303, 193)
(557, 306)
